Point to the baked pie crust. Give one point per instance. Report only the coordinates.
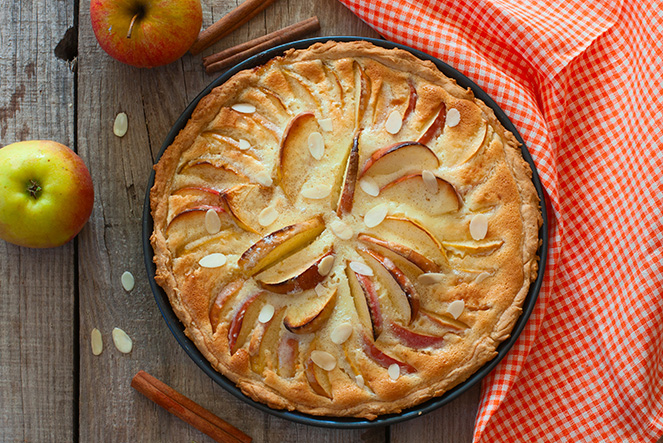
(344, 231)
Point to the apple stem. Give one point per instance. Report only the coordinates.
(34, 189)
(131, 25)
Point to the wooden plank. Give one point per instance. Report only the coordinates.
(37, 287)
(153, 99)
(452, 423)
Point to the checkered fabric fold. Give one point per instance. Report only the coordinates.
(582, 83)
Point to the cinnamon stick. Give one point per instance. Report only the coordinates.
(189, 411)
(231, 56)
(228, 23)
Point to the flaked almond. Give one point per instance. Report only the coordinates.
(316, 145)
(430, 278)
(325, 265)
(479, 226)
(323, 359)
(266, 313)
(128, 281)
(122, 341)
(268, 216)
(394, 371)
(453, 117)
(214, 260)
(341, 230)
(320, 290)
(121, 124)
(212, 222)
(360, 380)
(456, 308)
(244, 108)
(375, 215)
(326, 124)
(394, 122)
(481, 277)
(244, 144)
(341, 333)
(264, 178)
(96, 341)
(430, 181)
(361, 268)
(369, 186)
(316, 192)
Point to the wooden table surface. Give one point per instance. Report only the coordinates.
(52, 389)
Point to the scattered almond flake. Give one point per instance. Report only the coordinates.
(320, 290)
(376, 215)
(266, 313)
(316, 192)
(360, 380)
(214, 260)
(268, 216)
(96, 341)
(212, 222)
(323, 359)
(479, 226)
(361, 268)
(394, 371)
(394, 122)
(456, 308)
(341, 230)
(430, 181)
(264, 178)
(316, 145)
(341, 333)
(453, 117)
(128, 281)
(244, 144)
(121, 124)
(244, 108)
(369, 186)
(481, 277)
(122, 341)
(325, 265)
(430, 278)
(326, 124)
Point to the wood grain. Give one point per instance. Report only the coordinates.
(37, 318)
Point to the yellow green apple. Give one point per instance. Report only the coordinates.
(46, 194)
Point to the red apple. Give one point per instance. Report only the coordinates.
(46, 194)
(146, 33)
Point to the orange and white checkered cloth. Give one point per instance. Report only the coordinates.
(582, 82)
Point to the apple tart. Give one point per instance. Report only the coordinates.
(344, 231)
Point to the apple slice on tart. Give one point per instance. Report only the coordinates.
(294, 154)
(265, 340)
(403, 158)
(301, 279)
(366, 301)
(279, 245)
(309, 317)
(288, 355)
(414, 257)
(349, 180)
(432, 197)
(242, 201)
(222, 302)
(243, 321)
(409, 311)
(409, 233)
(318, 379)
